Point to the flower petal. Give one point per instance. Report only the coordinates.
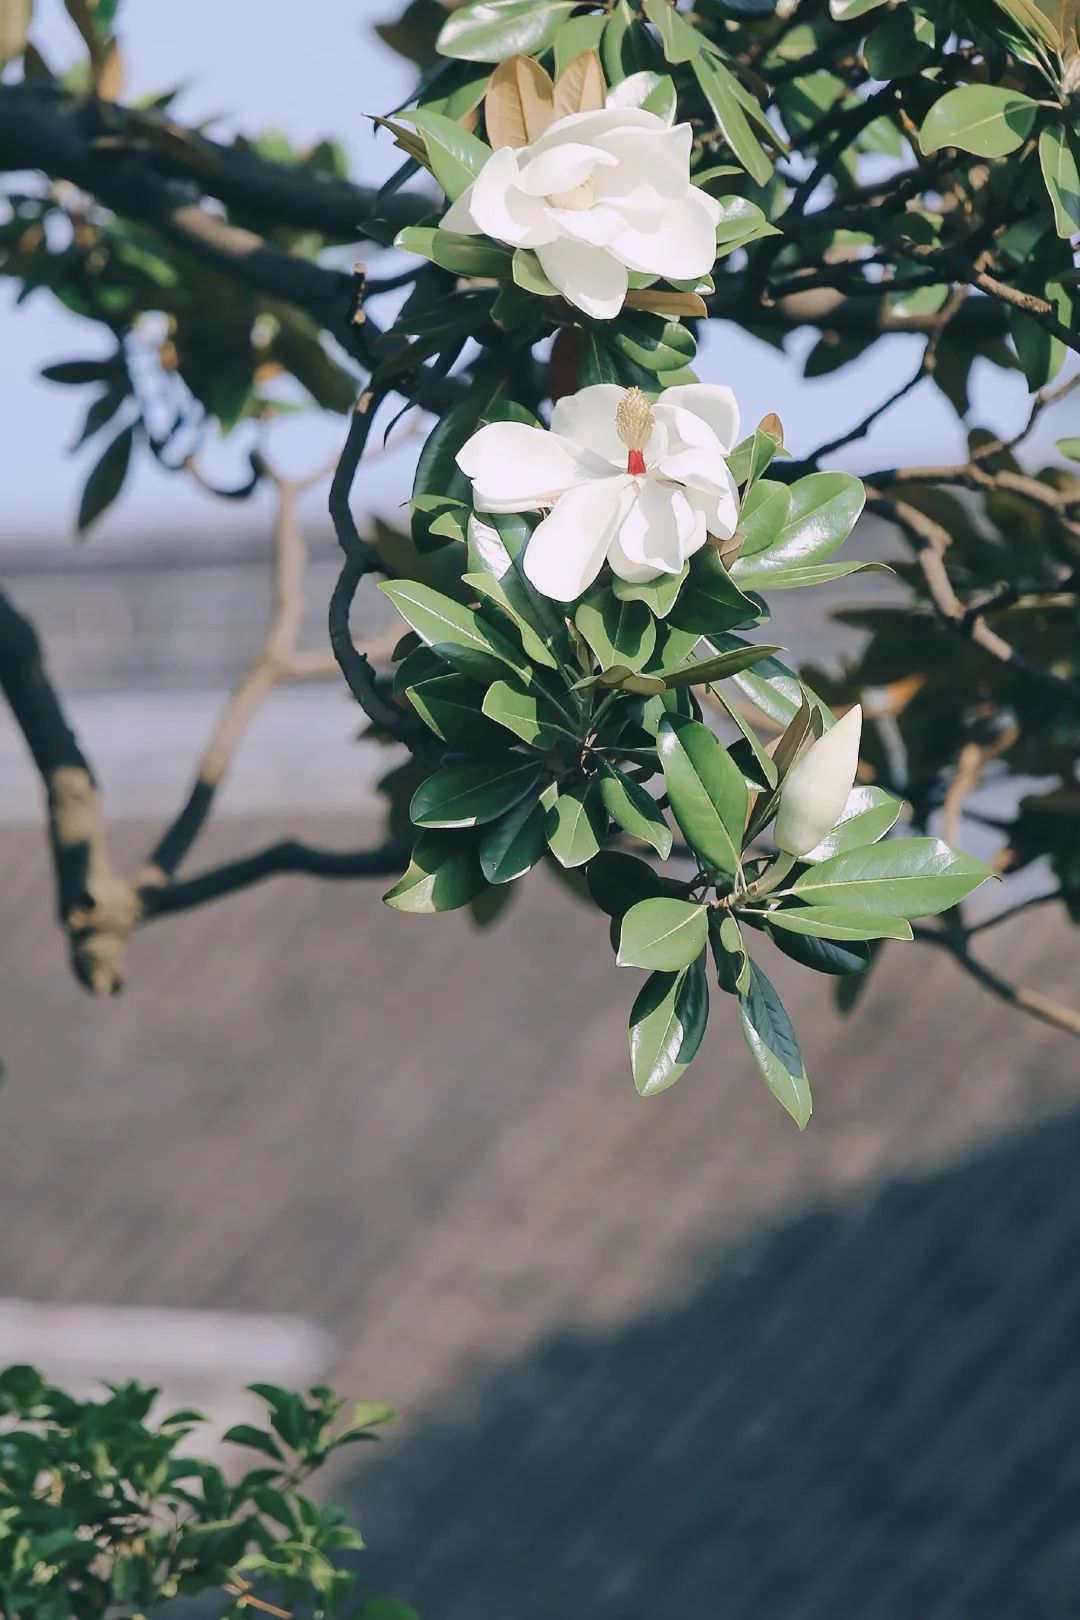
(655, 156)
(502, 210)
(661, 529)
(717, 499)
(588, 418)
(458, 216)
(683, 246)
(560, 167)
(516, 468)
(589, 127)
(598, 225)
(714, 404)
(567, 550)
(588, 277)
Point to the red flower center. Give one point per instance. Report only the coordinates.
(635, 462)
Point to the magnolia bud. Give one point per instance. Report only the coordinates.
(816, 788)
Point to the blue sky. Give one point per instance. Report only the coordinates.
(252, 61)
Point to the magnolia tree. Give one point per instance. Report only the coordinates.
(584, 677)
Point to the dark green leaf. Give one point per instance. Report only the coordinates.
(986, 119)
(469, 795)
(634, 810)
(444, 873)
(839, 923)
(905, 877)
(512, 845)
(492, 30)
(768, 1033)
(106, 479)
(710, 601)
(456, 633)
(522, 712)
(666, 1027)
(706, 789)
(576, 824)
(619, 633)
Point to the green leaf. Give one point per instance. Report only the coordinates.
(653, 342)
(439, 486)
(529, 276)
(618, 881)
(729, 954)
(444, 874)
(244, 1434)
(619, 633)
(741, 222)
(450, 705)
(456, 156)
(576, 824)
(520, 711)
(73, 372)
(497, 542)
(706, 789)
(574, 38)
(768, 1033)
(906, 877)
(718, 667)
(456, 633)
(838, 922)
(771, 686)
(106, 479)
(803, 574)
(832, 956)
(666, 1027)
(710, 602)
(461, 255)
(1069, 448)
(750, 459)
(868, 815)
(1062, 178)
(824, 509)
(986, 119)
(491, 30)
(512, 845)
(659, 595)
(720, 90)
(634, 810)
(469, 795)
(514, 605)
(663, 934)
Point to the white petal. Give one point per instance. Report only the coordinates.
(588, 277)
(598, 225)
(635, 573)
(502, 210)
(717, 499)
(567, 550)
(683, 246)
(658, 157)
(588, 418)
(560, 167)
(659, 527)
(589, 127)
(816, 788)
(458, 216)
(683, 430)
(714, 404)
(516, 468)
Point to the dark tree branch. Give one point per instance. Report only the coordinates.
(288, 856)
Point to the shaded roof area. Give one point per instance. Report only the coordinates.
(656, 1358)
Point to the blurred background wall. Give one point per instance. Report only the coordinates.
(656, 1359)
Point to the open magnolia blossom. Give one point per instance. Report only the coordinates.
(597, 195)
(817, 787)
(636, 485)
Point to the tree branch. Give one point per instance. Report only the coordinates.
(1024, 999)
(288, 856)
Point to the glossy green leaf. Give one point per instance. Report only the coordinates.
(514, 843)
(509, 704)
(824, 509)
(462, 255)
(450, 705)
(497, 542)
(741, 222)
(510, 604)
(720, 90)
(634, 810)
(800, 575)
(710, 601)
(469, 795)
(619, 633)
(456, 633)
(986, 119)
(456, 155)
(618, 881)
(492, 30)
(839, 923)
(840, 959)
(667, 1023)
(439, 486)
(905, 877)
(659, 595)
(868, 815)
(663, 934)
(443, 875)
(1062, 178)
(729, 954)
(768, 1033)
(576, 824)
(717, 668)
(706, 790)
(575, 37)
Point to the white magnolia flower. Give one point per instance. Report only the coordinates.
(597, 195)
(816, 788)
(639, 486)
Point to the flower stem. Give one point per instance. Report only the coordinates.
(771, 878)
